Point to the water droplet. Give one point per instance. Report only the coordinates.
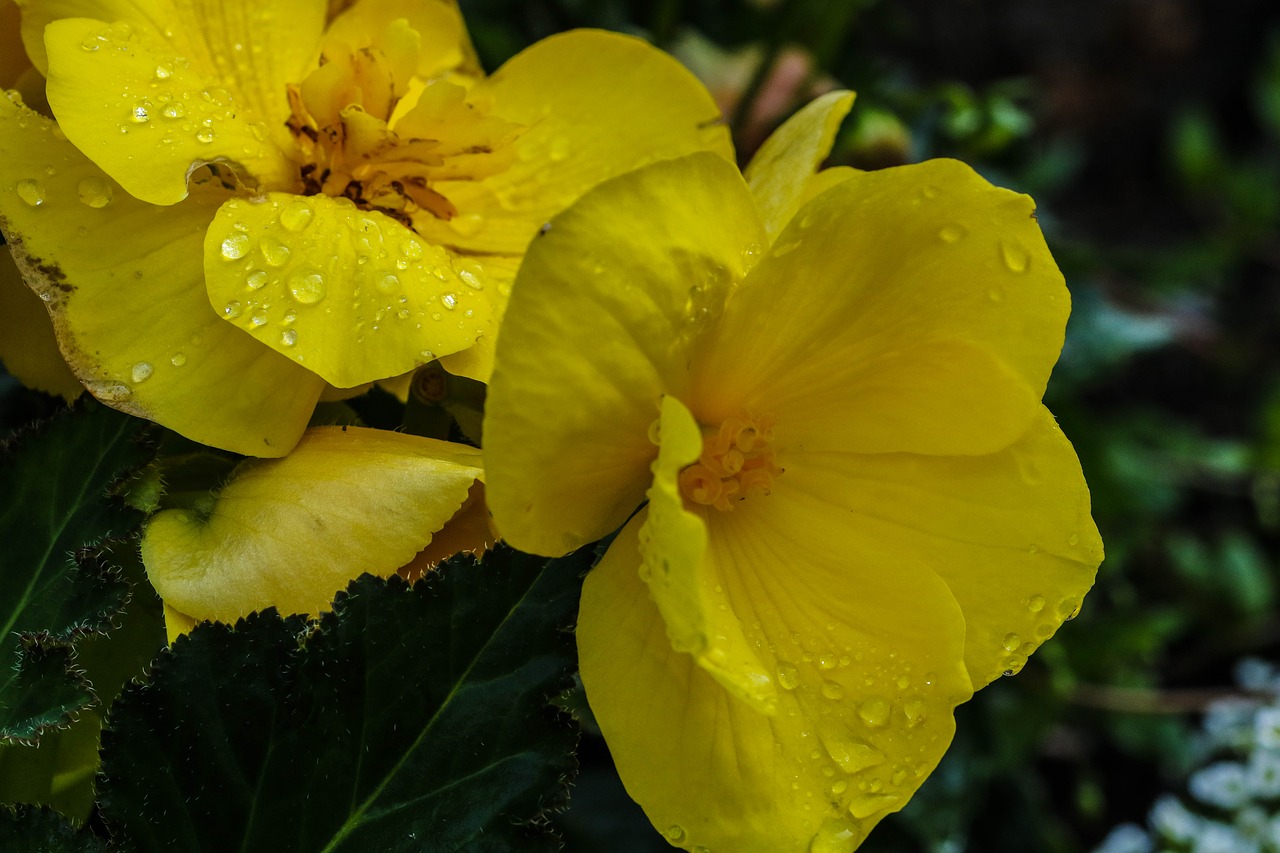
(1015, 257)
(832, 690)
(289, 337)
(95, 192)
(235, 246)
(163, 72)
(437, 316)
(1073, 539)
(411, 249)
(1035, 603)
(31, 191)
(874, 712)
(141, 372)
(232, 310)
(256, 279)
(788, 675)
(403, 313)
(92, 43)
(952, 233)
(470, 276)
(109, 390)
(834, 836)
(1068, 608)
(258, 319)
(296, 216)
(914, 711)
(1011, 642)
(449, 300)
(388, 283)
(274, 252)
(178, 359)
(141, 113)
(307, 286)
(173, 109)
(866, 805)
(852, 755)
(675, 832)
(204, 135)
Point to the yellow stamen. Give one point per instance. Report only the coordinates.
(736, 463)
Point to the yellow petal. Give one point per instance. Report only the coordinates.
(779, 171)
(124, 284)
(911, 309)
(594, 105)
(866, 648)
(290, 533)
(476, 361)
(468, 532)
(604, 313)
(176, 623)
(352, 295)
(698, 618)
(1010, 533)
(28, 347)
(443, 44)
(150, 115)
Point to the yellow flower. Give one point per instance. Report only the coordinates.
(290, 533)
(858, 510)
(240, 203)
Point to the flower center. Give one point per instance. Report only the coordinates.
(736, 463)
(355, 138)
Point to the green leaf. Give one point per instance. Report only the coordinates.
(56, 508)
(33, 830)
(409, 718)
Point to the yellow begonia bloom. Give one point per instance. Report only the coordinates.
(239, 203)
(858, 510)
(290, 533)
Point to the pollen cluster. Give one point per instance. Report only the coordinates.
(736, 463)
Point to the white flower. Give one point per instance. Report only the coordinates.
(1126, 838)
(1257, 674)
(1222, 784)
(1172, 821)
(1220, 838)
(1229, 723)
(1262, 776)
(1266, 727)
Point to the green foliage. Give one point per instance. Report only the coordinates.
(57, 509)
(33, 830)
(406, 719)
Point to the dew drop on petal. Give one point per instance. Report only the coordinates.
(30, 191)
(874, 712)
(256, 279)
(296, 216)
(306, 286)
(274, 252)
(388, 283)
(411, 249)
(788, 675)
(675, 833)
(232, 310)
(204, 135)
(173, 109)
(1035, 603)
(235, 246)
(832, 690)
(141, 372)
(109, 390)
(289, 337)
(178, 359)
(163, 72)
(258, 319)
(1015, 257)
(952, 233)
(141, 114)
(1011, 642)
(449, 300)
(94, 192)
(834, 836)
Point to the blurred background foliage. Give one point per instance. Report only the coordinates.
(1148, 131)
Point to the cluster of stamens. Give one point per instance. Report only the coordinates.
(736, 463)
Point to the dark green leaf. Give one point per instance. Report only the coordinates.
(32, 830)
(55, 499)
(408, 719)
